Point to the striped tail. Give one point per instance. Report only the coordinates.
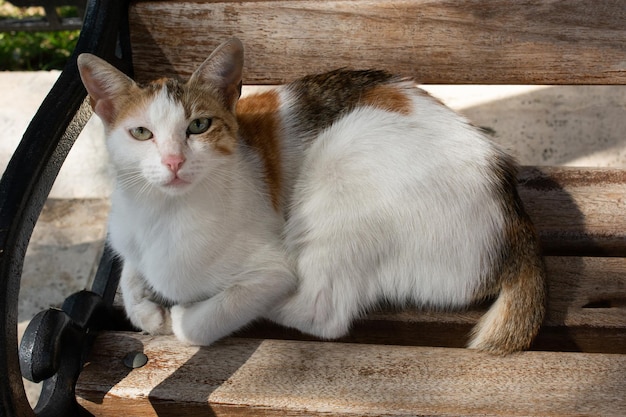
(514, 319)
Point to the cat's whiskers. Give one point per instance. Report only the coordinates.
(131, 179)
(128, 178)
(145, 189)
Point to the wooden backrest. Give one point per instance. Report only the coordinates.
(446, 42)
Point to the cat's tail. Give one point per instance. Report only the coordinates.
(514, 319)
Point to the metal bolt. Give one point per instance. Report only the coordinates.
(135, 360)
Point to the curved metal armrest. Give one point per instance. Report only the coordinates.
(24, 188)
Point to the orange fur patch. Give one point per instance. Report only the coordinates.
(220, 136)
(225, 146)
(135, 98)
(258, 120)
(388, 97)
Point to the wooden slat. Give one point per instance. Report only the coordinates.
(586, 292)
(248, 377)
(445, 41)
(406, 329)
(577, 211)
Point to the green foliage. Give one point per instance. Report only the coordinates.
(30, 51)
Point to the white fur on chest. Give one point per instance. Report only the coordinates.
(192, 248)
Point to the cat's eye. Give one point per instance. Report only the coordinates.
(141, 133)
(199, 125)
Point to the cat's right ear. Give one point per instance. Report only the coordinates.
(104, 83)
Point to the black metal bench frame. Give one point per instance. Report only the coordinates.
(56, 341)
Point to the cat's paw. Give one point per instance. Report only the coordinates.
(151, 317)
(316, 315)
(177, 314)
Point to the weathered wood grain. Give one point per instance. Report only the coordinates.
(241, 377)
(445, 41)
(577, 211)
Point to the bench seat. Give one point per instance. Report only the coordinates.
(256, 377)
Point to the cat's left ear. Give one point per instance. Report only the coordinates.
(104, 83)
(223, 69)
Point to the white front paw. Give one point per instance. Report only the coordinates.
(151, 317)
(177, 313)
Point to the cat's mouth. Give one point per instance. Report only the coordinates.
(177, 182)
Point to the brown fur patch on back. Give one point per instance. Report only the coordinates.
(322, 99)
(258, 126)
(387, 97)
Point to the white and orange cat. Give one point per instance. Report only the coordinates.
(308, 204)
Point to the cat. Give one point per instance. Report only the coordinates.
(309, 204)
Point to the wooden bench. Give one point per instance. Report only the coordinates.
(405, 362)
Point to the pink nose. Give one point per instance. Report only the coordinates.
(173, 162)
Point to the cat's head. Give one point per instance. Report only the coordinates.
(168, 135)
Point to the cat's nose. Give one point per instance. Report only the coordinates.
(173, 162)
